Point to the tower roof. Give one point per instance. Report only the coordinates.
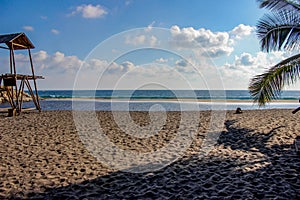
(16, 41)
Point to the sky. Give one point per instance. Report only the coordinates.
(138, 44)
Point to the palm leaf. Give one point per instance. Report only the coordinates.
(281, 30)
(267, 86)
(276, 31)
(276, 5)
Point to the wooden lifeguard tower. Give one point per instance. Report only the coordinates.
(14, 83)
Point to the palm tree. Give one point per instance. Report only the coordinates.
(279, 30)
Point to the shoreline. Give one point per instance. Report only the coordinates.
(169, 100)
(153, 104)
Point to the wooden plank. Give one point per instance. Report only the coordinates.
(20, 45)
(21, 76)
(28, 109)
(3, 110)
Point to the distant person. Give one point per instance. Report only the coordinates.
(238, 111)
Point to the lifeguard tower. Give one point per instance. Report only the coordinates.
(14, 83)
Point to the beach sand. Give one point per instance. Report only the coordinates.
(42, 156)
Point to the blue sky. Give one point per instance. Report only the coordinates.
(97, 43)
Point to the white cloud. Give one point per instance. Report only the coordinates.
(141, 40)
(90, 11)
(127, 66)
(21, 58)
(113, 68)
(181, 63)
(60, 63)
(28, 28)
(161, 60)
(242, 30)
(237, 75)
(57, 62)
(55, 31)
(206, 42)
(40, 56)
(96, 63)
(246, 59)
(135, 40)
(152, 40)
(215, 52)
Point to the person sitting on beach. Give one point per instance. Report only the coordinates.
(238, 111)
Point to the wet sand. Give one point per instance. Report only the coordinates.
(43, 157)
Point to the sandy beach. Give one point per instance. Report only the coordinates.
(43, 157)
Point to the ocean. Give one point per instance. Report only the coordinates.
(157, 100)
(161, 94)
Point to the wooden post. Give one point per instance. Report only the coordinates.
(12, 112)
(13, 59)
(26, 81)
(34, 81)
(21, 92)
(10, 97)
(10, 59)
(15, 76)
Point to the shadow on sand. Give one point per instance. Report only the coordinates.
(244, 165)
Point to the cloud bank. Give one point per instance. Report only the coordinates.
(236, 71)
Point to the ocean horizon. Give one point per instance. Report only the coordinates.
(157, 100)
(160, 94)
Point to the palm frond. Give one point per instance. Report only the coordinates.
(280, 30)
(276, 5)
(267, 86)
